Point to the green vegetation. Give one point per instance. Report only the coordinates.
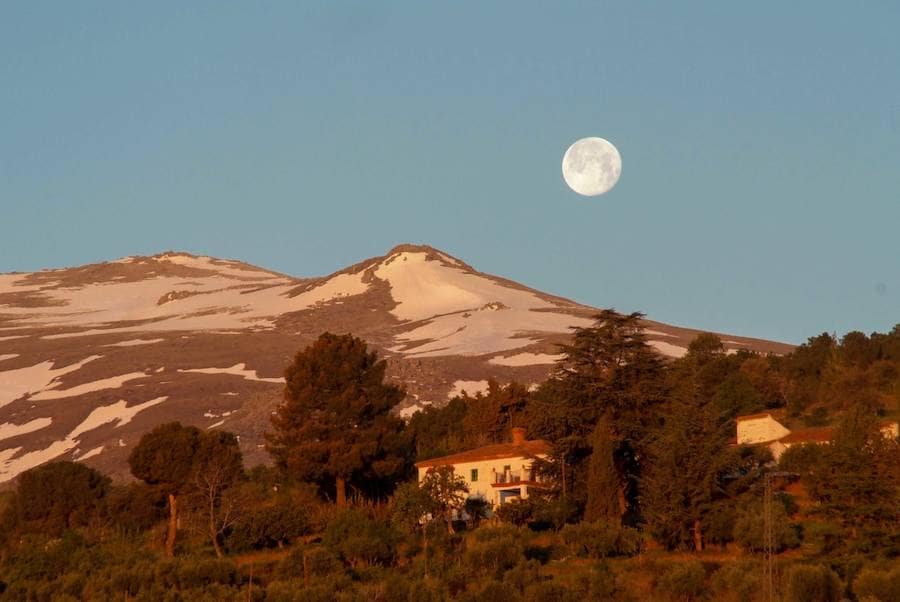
(335, 427)
(645, 497)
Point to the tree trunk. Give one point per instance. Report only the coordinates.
(173, 526)
(213, 531)
(425, 548)
(698, 536)
(341, 492)
(623, 503)
(305, 569)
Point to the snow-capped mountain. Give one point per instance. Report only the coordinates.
(92, 357)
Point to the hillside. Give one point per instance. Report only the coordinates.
(93, 356)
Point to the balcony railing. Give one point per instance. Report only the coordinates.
(514, 476)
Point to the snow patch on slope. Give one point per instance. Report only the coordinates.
(461, 313)
(134, 342)
(9, 430)
(90, 454)
(237, 370)
(33, 379)
(526, 359)
(668, 348)
(471, 387)
(119, 412)
(113, 382)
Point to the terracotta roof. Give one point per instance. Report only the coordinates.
(536, 447)
(820, 434)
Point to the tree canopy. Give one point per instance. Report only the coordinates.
(335, 427)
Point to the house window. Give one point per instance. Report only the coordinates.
(474, 475)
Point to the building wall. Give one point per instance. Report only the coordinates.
(487, 471)
(760, 430)
(777, 448)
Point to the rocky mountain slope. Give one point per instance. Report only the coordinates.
(92, 357)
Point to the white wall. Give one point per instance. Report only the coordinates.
(487, 471)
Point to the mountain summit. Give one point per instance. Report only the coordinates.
(93, 356)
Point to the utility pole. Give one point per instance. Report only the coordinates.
(769, 542)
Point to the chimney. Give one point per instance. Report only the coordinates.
(518, 435)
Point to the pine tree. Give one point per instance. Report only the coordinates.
(334, 427)
(165, 457)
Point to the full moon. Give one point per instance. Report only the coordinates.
(592, 166)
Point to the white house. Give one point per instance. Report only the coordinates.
(764, 429)
(496, 473)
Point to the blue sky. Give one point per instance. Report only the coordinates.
(760, 144)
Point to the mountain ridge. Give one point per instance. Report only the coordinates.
(92, 356)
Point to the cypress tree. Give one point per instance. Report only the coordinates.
(603, 501)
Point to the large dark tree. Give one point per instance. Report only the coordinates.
(335, 426)
(59, 495)
(856, 478)
(603, 503)
(440, 431)
(690, 468)
(165, 457)
(183, 461)
(490, 415)
(610, 372)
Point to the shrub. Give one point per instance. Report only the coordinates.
(203, 572)
(425, 590)
(553, 514)
(134, 507)
(295, 591)
(549, 591)
(880, 585)
(361, 541)
(517, 512)
(494, 554)
(270, 524)
(737, 581)
(749, 529)
(492, 550)
(523, 574)
(320, 562)
(812, 583)
(601, 582)
(822, 538)
(495, 591)
(601, 539)
(537, 513)
(39, 560)
(683, 581)
(396, 589)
